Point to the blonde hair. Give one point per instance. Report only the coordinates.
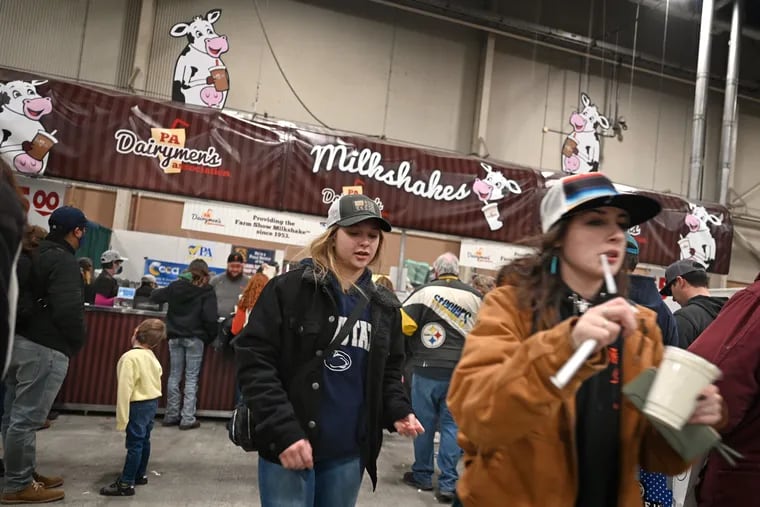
(151, 332)
(322, 251)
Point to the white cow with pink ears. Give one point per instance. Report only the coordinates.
(580, 152)
(24, 142)
(193, 82)
(699, 244)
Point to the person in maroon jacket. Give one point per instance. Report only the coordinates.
(732, 342)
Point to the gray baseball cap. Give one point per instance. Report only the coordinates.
(111, 256)
(351, 209)
(679, 268)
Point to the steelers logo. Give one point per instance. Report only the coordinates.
(433, 335)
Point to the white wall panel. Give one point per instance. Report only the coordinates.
(43, 36)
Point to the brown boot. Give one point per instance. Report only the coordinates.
(33, 493)
(48, 482)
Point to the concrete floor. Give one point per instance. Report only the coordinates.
(199, 467)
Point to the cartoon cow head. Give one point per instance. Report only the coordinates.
(494, 186)
(698, 217)
(588, 119)
(21, 97)
(201, 35)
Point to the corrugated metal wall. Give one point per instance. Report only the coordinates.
(40, 38)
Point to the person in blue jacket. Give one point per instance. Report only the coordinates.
(643, 290)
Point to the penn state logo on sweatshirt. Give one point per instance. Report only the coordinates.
(357, 338)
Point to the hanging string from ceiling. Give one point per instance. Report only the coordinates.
(659, 90)
(279, 67)
(633, 57)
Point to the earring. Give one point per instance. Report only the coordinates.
(553, 265)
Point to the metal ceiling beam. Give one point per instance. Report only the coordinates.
(679, 12)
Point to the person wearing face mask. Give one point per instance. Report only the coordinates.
(319, 415)
(526, 441)
(106, 287)
(45, 340)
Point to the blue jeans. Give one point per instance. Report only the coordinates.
(34, 377)
(331, 483)
(141, 415)
(186, 355)
(429, 404)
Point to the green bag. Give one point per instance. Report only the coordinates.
(691, 441)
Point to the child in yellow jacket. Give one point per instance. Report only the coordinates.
(139, 389)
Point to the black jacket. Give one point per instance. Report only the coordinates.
(192, 310)
(696, 315)
(55, 282)
(11, 226)
(292, 323)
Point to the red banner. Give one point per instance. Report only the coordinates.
(62, 129)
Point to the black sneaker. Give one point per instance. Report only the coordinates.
(411, 481)
(444, 496)
(118, 488)
(166, 422)
(191, 426)
(141, 481)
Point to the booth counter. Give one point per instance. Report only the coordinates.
(91, 381)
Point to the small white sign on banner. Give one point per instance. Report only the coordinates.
(488, 254)
(254, 223)
(44, 197)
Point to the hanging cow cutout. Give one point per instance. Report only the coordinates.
(200, 76)
(699, 244)
(580, 152)
(24, 142)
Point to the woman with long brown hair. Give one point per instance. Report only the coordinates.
(190, 323)
(319, 416)
(249, 297)
(527, 440)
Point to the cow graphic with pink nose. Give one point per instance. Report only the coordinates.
(24, 142)
(699, 243)
(494, 187)
(580, 151)
(200, 76)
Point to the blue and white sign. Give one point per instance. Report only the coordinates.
(166, 272)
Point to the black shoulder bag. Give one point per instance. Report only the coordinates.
(241, 428)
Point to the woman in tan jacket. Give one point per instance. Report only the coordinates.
(526, 442)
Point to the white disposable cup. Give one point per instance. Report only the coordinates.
(679, 380)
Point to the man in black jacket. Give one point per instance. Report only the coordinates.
(687, 282)
(40, 359)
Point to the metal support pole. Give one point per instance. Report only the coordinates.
(483, 102)
(729, 131)
(700, 102)
(400, 278)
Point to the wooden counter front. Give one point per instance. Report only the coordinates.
(91, 381)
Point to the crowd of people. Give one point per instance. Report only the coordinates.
(328, 359)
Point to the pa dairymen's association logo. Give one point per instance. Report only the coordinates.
(24, 142)
(433, 335)
(208, 218)
(167, 145)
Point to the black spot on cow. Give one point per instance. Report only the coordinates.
(4, 99)
(185, 51)
(193, 72)
(177, 94)
(6, 135)
(190, 38)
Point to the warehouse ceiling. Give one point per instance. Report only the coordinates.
(657, 35)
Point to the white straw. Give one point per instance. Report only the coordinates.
(608, 278)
